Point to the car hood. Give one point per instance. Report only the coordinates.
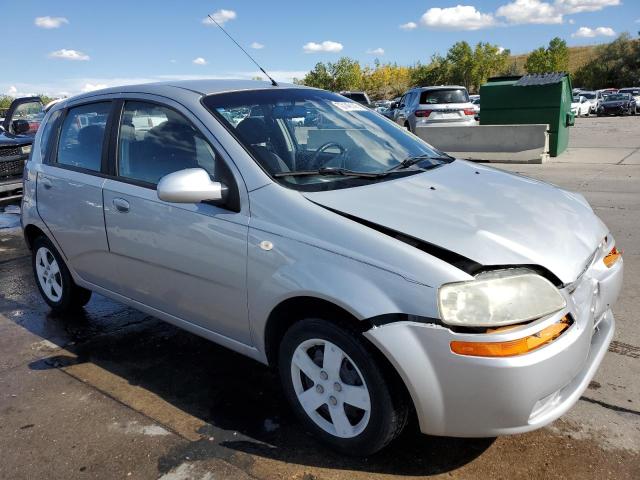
(487, 215)
(615, 103)
(8, 139)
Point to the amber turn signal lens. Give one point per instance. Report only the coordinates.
(612, 257)
(513, 347)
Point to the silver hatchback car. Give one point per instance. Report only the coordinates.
(381, 277)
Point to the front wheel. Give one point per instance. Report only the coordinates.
(337, 388)
(54, 279)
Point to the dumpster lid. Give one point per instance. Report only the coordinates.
(540, 79)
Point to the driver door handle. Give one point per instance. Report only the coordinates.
(121, 205)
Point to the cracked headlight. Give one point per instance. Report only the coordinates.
(500, 297)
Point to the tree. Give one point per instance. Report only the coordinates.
(615, 64)
(461, 63)
(488, 60)
(554, 58)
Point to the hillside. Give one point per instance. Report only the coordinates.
(578, 56)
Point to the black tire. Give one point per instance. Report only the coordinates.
(389, 407)
(72, 297)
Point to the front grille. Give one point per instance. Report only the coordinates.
(11, 168)
(10, 152)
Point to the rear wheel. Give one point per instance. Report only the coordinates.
(338, 389)
(54, 279)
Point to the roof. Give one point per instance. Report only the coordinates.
(439, 87)
(201, 87)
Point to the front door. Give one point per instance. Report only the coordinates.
(186, 260)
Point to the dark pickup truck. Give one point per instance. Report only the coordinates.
(17, 132)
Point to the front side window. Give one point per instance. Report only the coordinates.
(448, 95)
(155, 140)
(82, 135)
(302, 136)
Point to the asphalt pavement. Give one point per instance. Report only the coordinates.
(113, 393)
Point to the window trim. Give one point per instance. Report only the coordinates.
(52, 157)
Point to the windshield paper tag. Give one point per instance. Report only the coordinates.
(349, 106)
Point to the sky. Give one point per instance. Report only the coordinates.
(70, 46)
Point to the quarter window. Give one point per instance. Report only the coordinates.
(155, 141)
(46, 133)
(82, 135)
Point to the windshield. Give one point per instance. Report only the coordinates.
(588, 95)
(305, 130)
(358, 97)
(453, 95)
(633, 91)
(617, 97)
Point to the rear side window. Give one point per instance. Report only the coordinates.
(46, 133)
(82, 135)
(453, 95)
(155, 141)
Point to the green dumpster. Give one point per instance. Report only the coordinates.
(540, 98)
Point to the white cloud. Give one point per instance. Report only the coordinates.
(49, 22)
(530, 11)
(90, 87)
(500, 49)
(571, 21)
(199, 61)
(221, 16)
(586, 32)
(326, 46)
(460, 17)
(375, 51)
(67, 54)
(12, 90)
(409, 26)
(256, 46)
(577, 6)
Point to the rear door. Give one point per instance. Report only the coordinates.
(69, 189)
(186, 260)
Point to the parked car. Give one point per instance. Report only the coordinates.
(16, 136)
(393, 109)
(591, 98)
(360, 97)
(635, 93)
(384, 279)
(618, 104)
(475, 101)
(435, 106)
(580, 106)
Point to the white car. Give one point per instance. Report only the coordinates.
(580, 106)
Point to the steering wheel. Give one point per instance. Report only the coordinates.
(324, 147)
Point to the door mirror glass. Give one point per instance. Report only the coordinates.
(191, 185)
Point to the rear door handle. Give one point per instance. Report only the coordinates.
(121, 205)
(46, 182)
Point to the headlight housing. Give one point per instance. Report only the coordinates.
(25, 149)
(500, 297)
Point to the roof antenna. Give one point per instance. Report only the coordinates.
(273, 82)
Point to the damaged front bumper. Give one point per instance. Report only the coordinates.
(473, 396)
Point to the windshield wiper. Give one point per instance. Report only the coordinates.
(410, 161)
(330, 171)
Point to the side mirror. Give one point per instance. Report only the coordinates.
(20, 127)
(393, 106)
(191, 185)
